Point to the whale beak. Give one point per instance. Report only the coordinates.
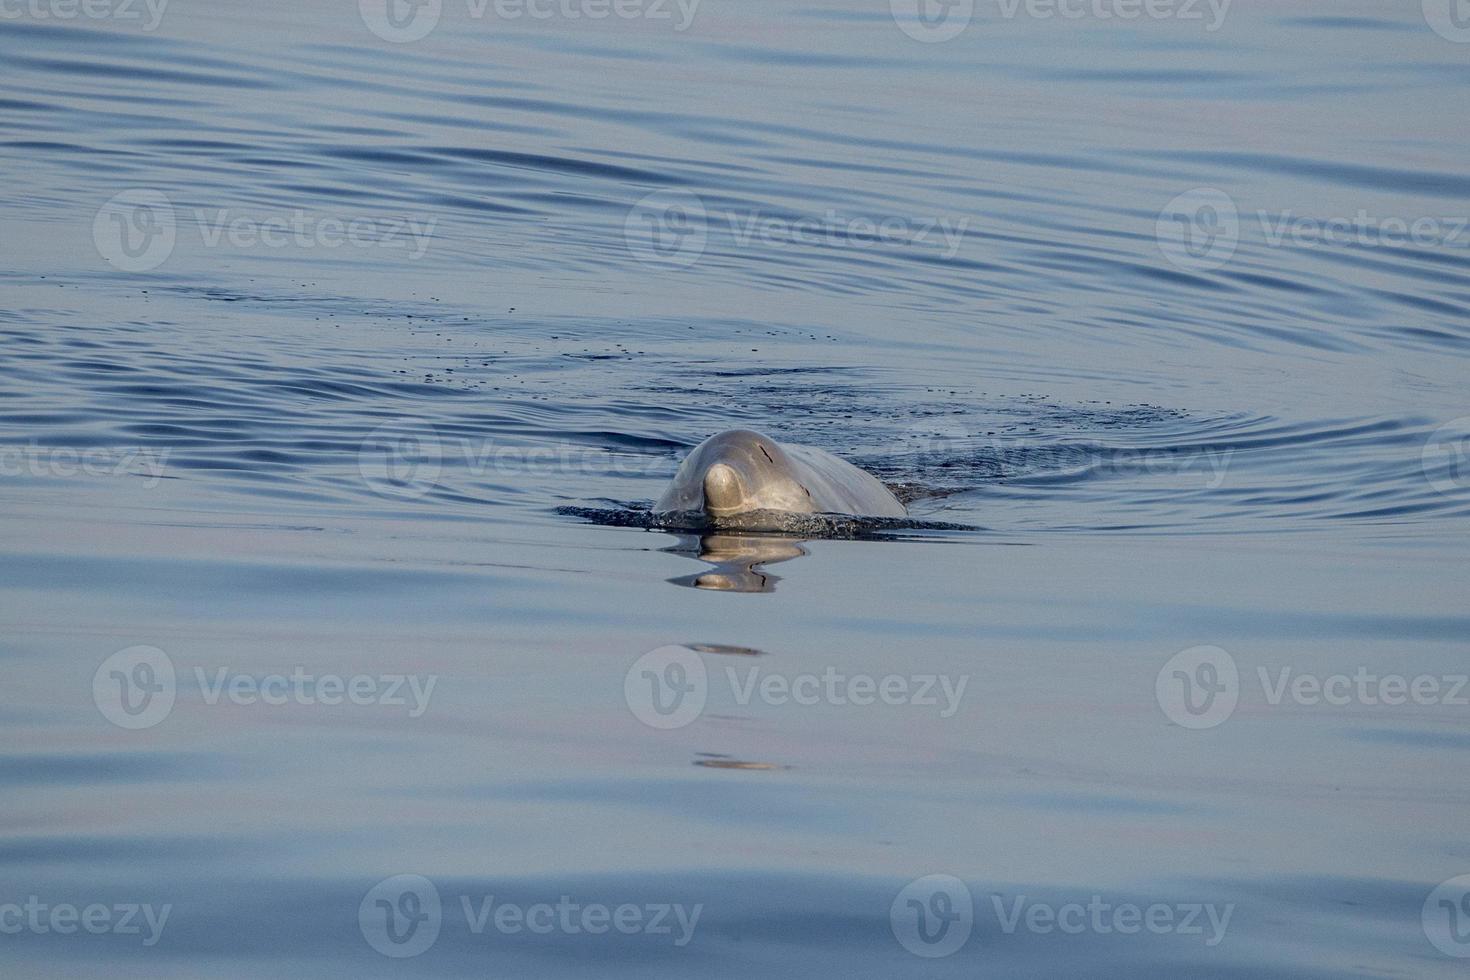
(723, 494)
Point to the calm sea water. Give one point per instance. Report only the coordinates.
(343, 346)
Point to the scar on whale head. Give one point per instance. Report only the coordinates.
(745, 478)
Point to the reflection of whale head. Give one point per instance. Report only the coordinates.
(738, 561)
(739, 473)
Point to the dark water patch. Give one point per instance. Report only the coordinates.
(807, 59)
(141, 73)
(793, 526)
(555, 164)
(1414, 738)
(774, 921)
(19, 853)
(739, 765)
(72, 769)
(1395, 180)
(1347, 23)
(725, 649)
(71, 36)
(1173, 77)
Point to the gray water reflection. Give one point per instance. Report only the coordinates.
(738, 561)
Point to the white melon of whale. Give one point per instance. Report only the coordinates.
(740, 472)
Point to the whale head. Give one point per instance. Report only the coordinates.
(734, 473)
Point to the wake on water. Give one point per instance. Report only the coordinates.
(838, 526)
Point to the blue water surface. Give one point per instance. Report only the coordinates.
(343, 346)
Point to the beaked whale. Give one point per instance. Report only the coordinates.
(739, 475)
